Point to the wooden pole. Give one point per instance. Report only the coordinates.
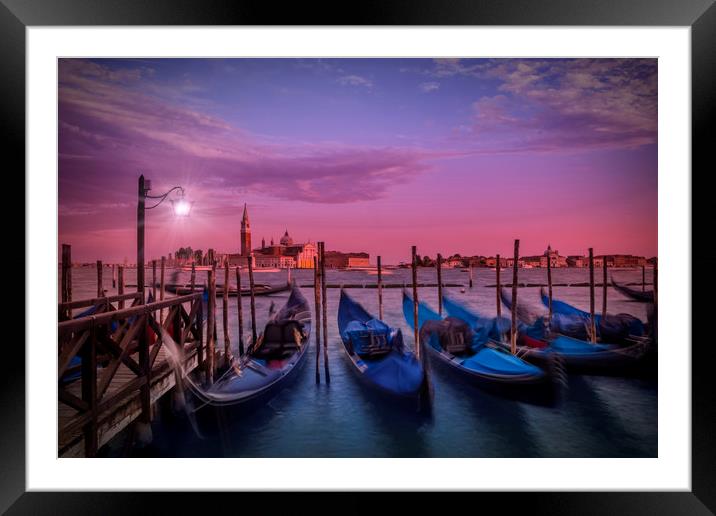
(66, 289)
(162, 267)
(240, 310)
(210, 336)
(225, 313)
(549, 287)
(120, 284)
(439, 265)
(380, 290)
(288, 275)
(193, 276)
(154, 279)
(593, 329)
(513, 332)
(317, 296)
(100, 287)
(114, 279)
(254, 337)
(140, 238)
(324, 310)
(643, 278)
(470, 271)
(604, 288)
(416, 332)
(498, 265)
(656, 281)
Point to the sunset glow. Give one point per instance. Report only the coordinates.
(376, 155)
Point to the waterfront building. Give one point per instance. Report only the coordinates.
(338, 260)
(575, 260)
(245, 234)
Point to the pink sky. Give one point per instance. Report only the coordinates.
(368, 155)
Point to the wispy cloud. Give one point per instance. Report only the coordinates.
(355, 80)
(427, 87)
(114, 126)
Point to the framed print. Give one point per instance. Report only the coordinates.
(425, 249)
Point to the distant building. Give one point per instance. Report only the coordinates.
(338, 260)
(619, 260)
(576, 260)
(245, 234)
(549, 256)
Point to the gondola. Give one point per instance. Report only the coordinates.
(579, 355)
(379, 358)
(269, 364)
(452, 345)
(571, 321)
(645, 296)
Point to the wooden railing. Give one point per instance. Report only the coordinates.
(109, 339)
(101, 304)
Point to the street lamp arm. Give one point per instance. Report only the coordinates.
(163, 197)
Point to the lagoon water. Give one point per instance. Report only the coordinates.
(597, 416)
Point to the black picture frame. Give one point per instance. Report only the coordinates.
(700, 15)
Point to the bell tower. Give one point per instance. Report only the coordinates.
(245, 234)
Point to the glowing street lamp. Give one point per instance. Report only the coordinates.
(181, 208)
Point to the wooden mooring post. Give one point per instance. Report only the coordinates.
(66, 287)
(498, 287)
(225, 313)
(240, 310)
(439, 265)
(254, 336)
(380, 290)
(193, 276)
(210, 335)
(549, 288)
(324, 311)
(604, 287)
(469, 269)
(162, 268)
(643, 278)
(100, 287)
(120, 284)
(416, 333)
(513, 329)
(592, 326)
(317, 298)
(154, 280)
(114, 278)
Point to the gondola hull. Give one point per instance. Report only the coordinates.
(258, 377)
(413, 393)
(510, 377)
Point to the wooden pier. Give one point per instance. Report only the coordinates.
(123, 367)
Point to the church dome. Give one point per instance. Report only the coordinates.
(286, 240)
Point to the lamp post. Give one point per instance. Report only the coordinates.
(180, 206)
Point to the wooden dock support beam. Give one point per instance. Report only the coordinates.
(380, 290)
(324, 310)
(592, 325)
(317, 325)
(439, 265)
(513, 332)
(416, 333)
(239, 309)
